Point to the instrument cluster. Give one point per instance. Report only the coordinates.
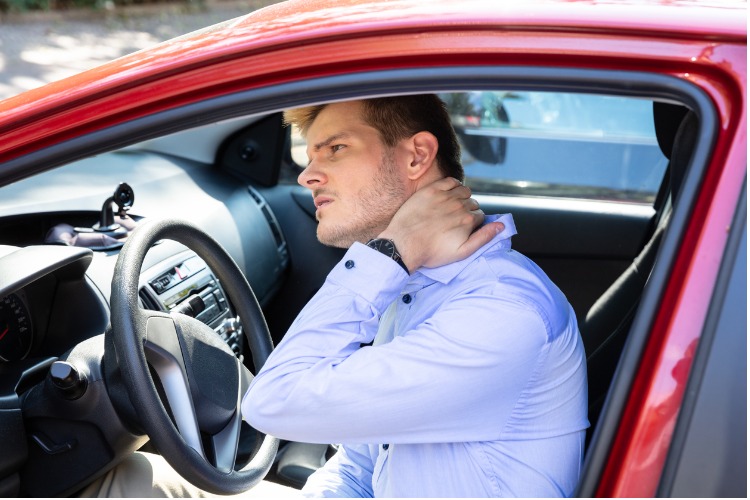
(16, 328)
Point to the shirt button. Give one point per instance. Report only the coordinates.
(349, 264)
(385, 446)
(406, 299)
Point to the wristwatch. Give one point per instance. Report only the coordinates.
(388, 248)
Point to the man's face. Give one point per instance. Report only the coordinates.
(355, 180)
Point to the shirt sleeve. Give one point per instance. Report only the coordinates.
(456, 377)
(348, 474)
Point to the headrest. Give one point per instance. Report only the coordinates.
(682, 150)
(667, 119)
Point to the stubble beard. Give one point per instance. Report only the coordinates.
(373, 208)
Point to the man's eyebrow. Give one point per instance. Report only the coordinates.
(329, 140)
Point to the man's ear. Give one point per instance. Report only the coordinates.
(423, 148)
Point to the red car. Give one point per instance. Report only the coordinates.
(615, 132)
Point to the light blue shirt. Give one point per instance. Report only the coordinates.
(474, 385)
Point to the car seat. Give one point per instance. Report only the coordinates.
(606, 326)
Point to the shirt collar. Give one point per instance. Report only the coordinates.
(444, 274)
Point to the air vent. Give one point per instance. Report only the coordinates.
(273, 225)
(256, 196)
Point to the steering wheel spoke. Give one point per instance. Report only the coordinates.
(225, 442)
(163, 352)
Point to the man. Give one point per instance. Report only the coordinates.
(447, 363)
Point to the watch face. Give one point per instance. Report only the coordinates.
(383, 246)
(387, 248)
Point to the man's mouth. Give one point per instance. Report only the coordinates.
(321, 201)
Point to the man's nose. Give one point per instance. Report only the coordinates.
(311, 177)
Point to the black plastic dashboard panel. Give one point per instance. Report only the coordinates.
(64, 308)
(63, 305)
(254, 153)
(19, 267)
(66, 289)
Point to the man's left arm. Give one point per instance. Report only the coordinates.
(434, 382)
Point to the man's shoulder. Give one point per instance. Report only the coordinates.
(504, 265)
(510, 275)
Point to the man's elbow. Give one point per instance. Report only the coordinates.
(261, 410)
(271, 410)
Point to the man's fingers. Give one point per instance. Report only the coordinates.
(471, 204)
(481, 237)
(447, 183)
(452, 187)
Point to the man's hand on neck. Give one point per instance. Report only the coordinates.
(438, 225)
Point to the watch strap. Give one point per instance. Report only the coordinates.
(388, 248)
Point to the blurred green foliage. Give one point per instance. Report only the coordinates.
(54, 5)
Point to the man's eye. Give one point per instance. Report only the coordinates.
(337, 147)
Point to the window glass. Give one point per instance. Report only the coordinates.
(553, 144)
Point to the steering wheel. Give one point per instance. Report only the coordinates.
(203, 382)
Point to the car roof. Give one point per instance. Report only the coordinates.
(315, 18)
(298, 23)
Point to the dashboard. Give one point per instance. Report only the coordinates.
(53, 306)
(39, 317)
(54, 296)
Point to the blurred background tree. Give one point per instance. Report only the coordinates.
(20, 6)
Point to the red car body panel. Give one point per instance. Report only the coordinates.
(295, 41)
(639, 450)
(556, 29)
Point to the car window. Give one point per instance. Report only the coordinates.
(553, 144)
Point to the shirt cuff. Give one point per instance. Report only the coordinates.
(371, 275)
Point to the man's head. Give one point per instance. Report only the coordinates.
(366, 158)
(397, 118)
